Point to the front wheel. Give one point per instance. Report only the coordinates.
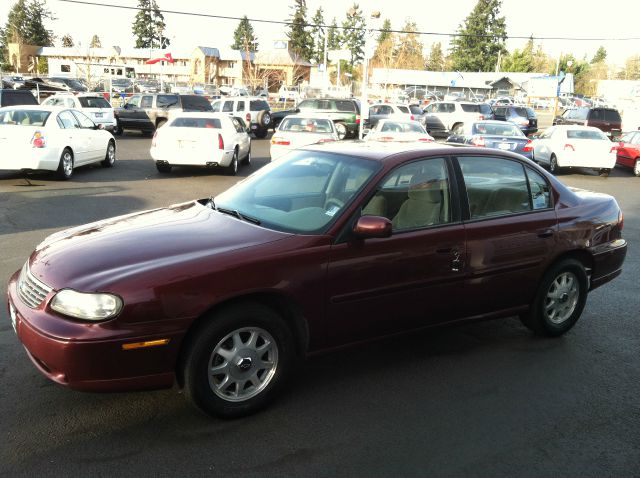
(604, 172)
(560, 299)
(341, 129)
(65, 166)
(636, 168)
(553, 165)
(163, 167)
(117, 130)
(238, 360)
(110, 157)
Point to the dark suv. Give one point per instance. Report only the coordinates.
(608, 120)
(524, 117)
(148, 112)
(12, 97)
(344, 112)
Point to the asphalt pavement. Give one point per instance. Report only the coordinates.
(487, 399)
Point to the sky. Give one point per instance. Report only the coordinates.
(543, 18)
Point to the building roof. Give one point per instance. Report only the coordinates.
(279, 56)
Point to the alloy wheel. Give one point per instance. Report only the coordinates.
(562, 297)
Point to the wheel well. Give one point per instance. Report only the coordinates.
(160, 121)
(283, 306)
(581, 256)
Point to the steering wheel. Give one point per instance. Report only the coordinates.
(333, 203)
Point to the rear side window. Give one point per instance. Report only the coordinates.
(93, 102)
(185, 122)
(195, 103)
(258, 105)
(227, 107)
(167, 101)
(470, 108)
(345, 106)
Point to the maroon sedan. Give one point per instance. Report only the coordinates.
(628, 152)
(330, 245)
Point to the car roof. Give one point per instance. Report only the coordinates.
(379, 151)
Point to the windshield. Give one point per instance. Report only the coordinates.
(304, 192)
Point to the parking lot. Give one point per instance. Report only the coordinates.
(487, 399)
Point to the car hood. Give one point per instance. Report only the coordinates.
(95, 255)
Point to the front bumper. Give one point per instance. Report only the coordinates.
(90, 356)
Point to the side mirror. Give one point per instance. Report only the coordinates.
(372, 227)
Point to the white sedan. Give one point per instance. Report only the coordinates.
(296, 131)
(201, 139)
(53, 139)
(391, 130)
(94, 105)
(571, 146)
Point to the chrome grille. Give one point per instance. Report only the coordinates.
(31, 291)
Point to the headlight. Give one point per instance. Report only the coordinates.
(86, 306)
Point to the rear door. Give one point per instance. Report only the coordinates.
(511, 230)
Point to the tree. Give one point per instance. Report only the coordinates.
(300, 41)
(481, 39)
(67, 41)
(385, 31)
(409, 48)
(520, 61)
(148, 26)
(600, 56)
(95, 42)
(334, 39)
(631, 70)
(25, 24)
(436, 59)
(353, 34)
(243, 37)
(317, 36)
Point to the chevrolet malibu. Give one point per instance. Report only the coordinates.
(330, 245)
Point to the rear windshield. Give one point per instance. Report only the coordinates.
(612, 116)
(500, 129)
(309, 125)
(195, 103)
(258, 105)
(520, 111)
(93, 102)
(197, 123)
(24, 117)
(11, 98)
(399, 127)
(585, 134)
(345, 106)
(404, 109)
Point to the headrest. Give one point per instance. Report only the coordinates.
(425, 187)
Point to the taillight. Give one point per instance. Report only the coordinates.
(357, 119)
(413, 118)
(153, 141)
(248, 117)
(528, 147)
(220, 142)
(478, 141)
(280, 141)
(38, 140)
(569, 147)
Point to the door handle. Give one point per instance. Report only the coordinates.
(544, 233)
(456, 262)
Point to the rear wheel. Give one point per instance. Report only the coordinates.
(247, 159)
(65, 167)
(604, 172)
(560, 299)
(238, 360)
(636, 167)
(163, 167)
(117, 130)
(341, 129)
(553, 165)
(232, 169)
(110, 157)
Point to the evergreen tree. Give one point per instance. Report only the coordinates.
(148, 26)
(334, 39)
(67, 41)
(300, 41)
(95, 42)
(354, 34)
(436, 60)
(520, 61)
(481, 38)
(385, 31)
(409, 50)
(317, 35)
(243, 37)
(25, 24)
(600, 56)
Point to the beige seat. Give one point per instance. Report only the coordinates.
(423, 206)
(377, 206)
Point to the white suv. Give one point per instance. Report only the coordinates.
(94, 105)
(441, 117)
(255, 111)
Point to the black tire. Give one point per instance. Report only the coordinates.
(341, 129)
(247, 159)
(65, 166)
(553, 165)
(163, 167)
(232, 169)
(117, 130)
(260, 133)
(546, 316)
(636, 168)
(110, 158)
(604, 172)
(264, 119)
(230, 331)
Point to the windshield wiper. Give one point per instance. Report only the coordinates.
(239, 215)
(211, 203)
